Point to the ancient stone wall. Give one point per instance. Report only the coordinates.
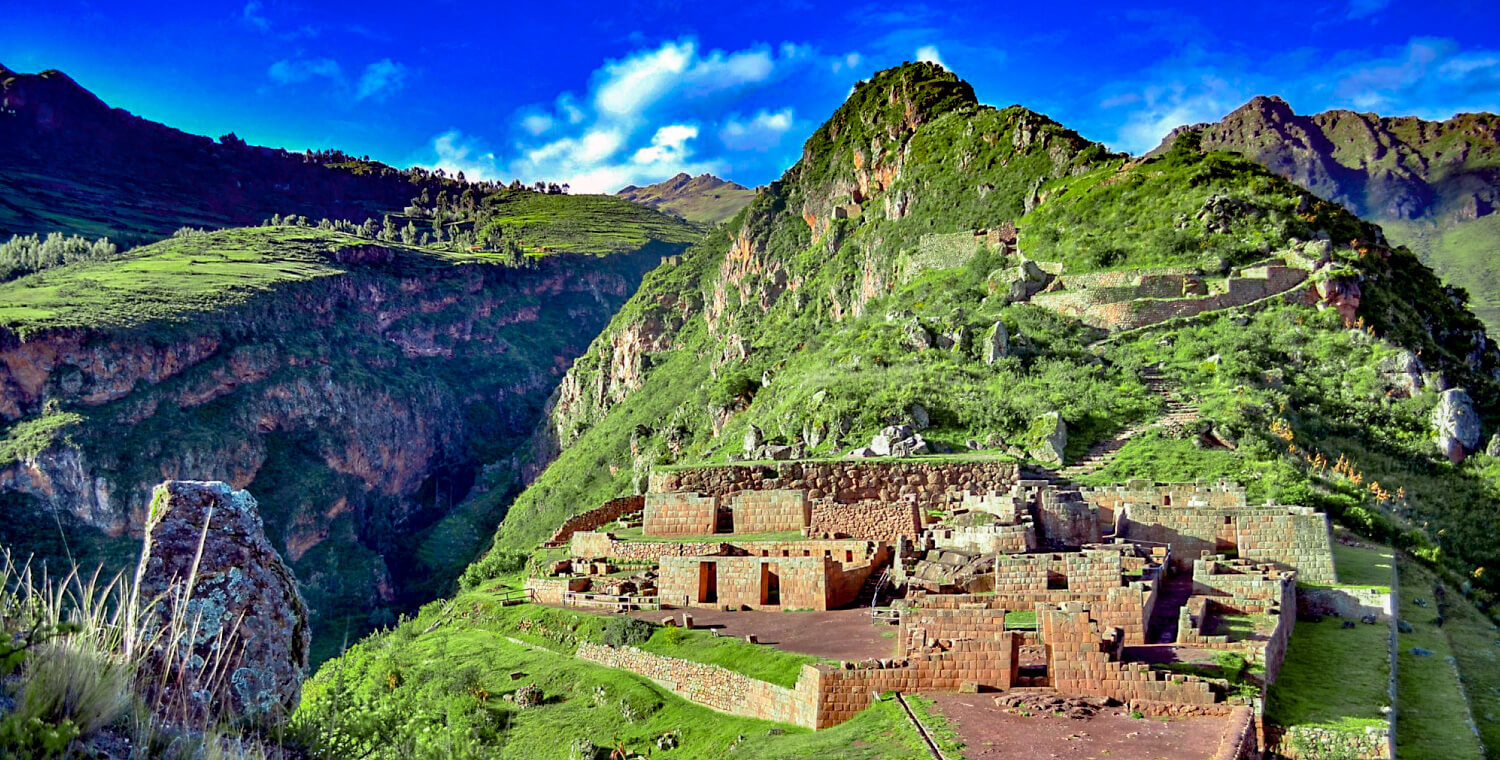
(985, 539)
(1008, 508)
(589, 545)
(680, 514)
(1296, 537)
(1146, 298)
(756, 582)
(611, 511)
(1066, 519)
(1082, 660)
(552, 590)
(1314, 742)
(872, 520)
(1094, 571)
(715, 687)
(770, 511)
(847, 481)
(1239, 739)
(1345, 602)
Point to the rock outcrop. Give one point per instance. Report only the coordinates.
(1456, 425)
(227, 630)
(1048, 437)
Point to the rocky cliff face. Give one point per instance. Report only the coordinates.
(359, 407)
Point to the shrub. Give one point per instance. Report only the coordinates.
(627, 632)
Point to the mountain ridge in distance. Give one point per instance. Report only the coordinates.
(704, 199)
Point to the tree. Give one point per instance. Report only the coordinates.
(409, 234)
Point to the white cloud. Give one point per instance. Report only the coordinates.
(929, 53)
(669, 144)
(630, 86)
(536, 123)
(252, 15)
(1165, 107)
(848, 62)
(459, 153)
(380, 80)
(762, 132)
(645, 112)
(294, 70)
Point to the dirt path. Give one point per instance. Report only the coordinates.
(989, 733)
(837, 634)
(1102, 453)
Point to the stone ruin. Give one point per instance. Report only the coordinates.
(1001, 581)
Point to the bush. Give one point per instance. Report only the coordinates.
(672, 635)
(627, 632)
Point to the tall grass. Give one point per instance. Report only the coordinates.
(83, 656)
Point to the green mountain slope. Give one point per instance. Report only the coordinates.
(70, 163)
(1434, 186)
(863, 289)
(704, 199)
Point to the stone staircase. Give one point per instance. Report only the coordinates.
(1102, 453)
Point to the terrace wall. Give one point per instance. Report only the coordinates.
(871, 520)
(609, 512)
(770, 511)
(847, 481)
(680, 514)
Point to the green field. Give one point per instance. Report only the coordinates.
(1332, 677)
(1432, 714)
(462, 659)
(596, 224)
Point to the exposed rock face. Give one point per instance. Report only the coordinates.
(1456, 425)
(1403, 372)
(1049, 436)
(353, 406)
(1342, 294)
(245, 648)
(998, 343)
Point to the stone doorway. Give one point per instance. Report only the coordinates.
(708, 582)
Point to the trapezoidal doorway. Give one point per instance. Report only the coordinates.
(770, 585)
(708, 582)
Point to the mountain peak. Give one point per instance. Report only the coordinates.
(704, 199)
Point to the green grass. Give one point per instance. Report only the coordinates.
(1366, 566)
(1020, 619)
(1431, 720)
(1332, 677)
(30, 437)
(415, 692)
(755, 660)
(594, 224)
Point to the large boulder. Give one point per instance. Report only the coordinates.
(1047, 438)
(1403, 372)
(226, 630)
(998, 343)
(1455, 425)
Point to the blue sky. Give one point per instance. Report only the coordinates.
(631, 92)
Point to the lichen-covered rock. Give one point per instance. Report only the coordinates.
(1403, 372)
(1455, 425)
(1048, 437)
(209, 573)
(998, 344)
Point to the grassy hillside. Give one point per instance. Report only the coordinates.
(705, 199)
(596, 224)
(853, 293)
